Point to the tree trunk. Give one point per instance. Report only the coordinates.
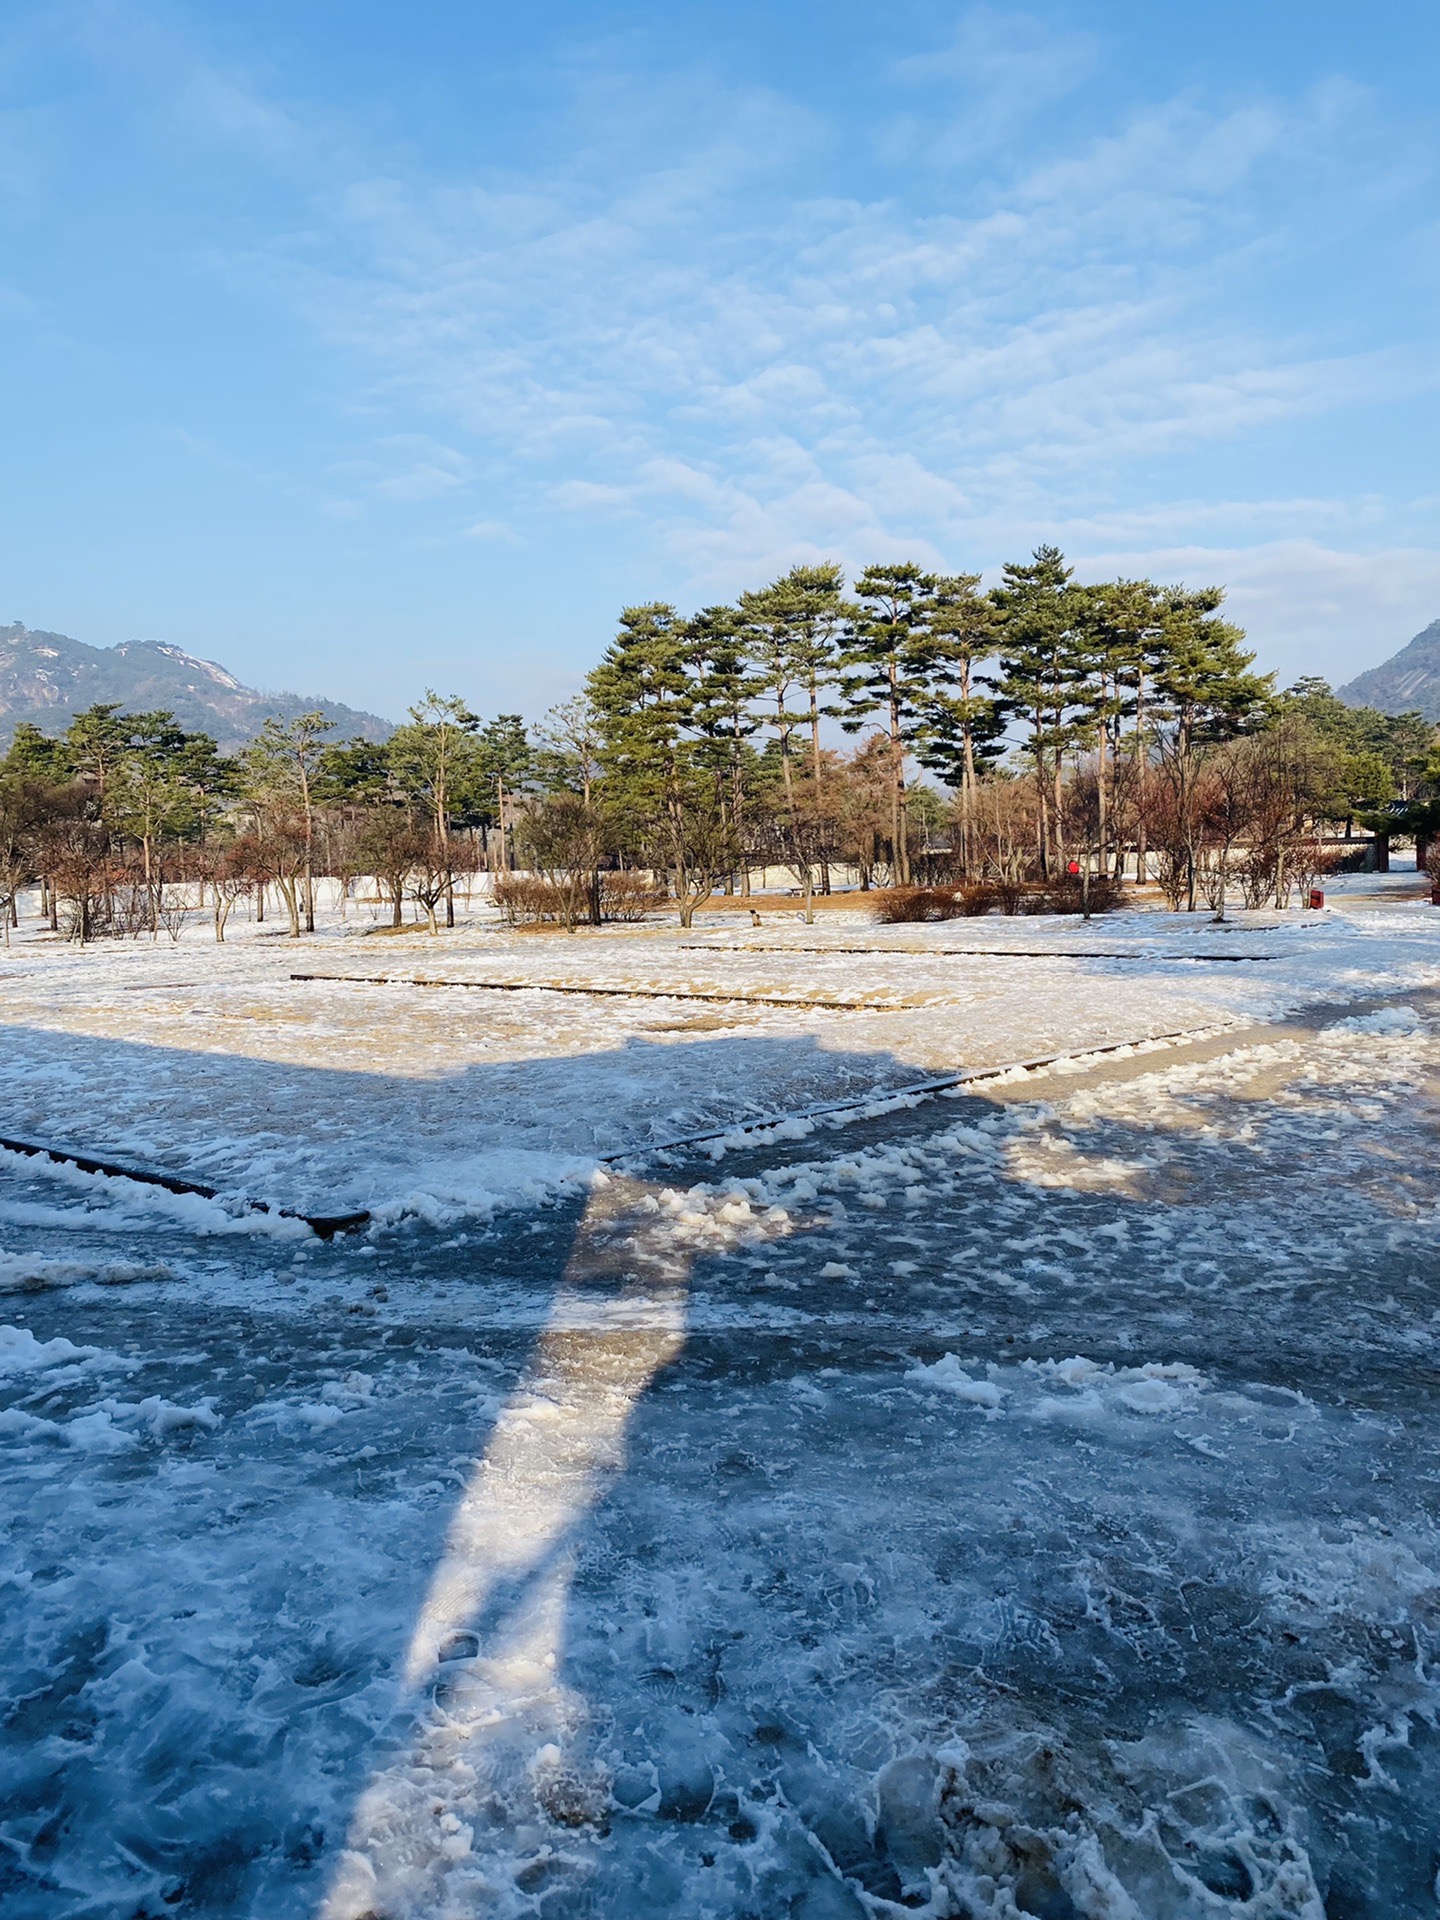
(1058, 810)
(1142, 766)
(1102, 810)
(967, 799)
(290, 886)
(900, 839)
(151, 902)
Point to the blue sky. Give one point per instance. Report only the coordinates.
(365, 346)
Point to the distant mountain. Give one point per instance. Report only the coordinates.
(46, 678)
(1409, 679)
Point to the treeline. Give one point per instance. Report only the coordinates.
(128, 822)
(1072, 724)
(1118, 728)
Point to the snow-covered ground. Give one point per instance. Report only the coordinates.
(445, 1101)
(1021, 1502)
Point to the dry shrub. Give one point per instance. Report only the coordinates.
(526, 900)
(983, 897)
(1008, 894)
(1065, 895)
(898, 904)
(629, 896)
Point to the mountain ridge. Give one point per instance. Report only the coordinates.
(1408, 679)
(46, 678)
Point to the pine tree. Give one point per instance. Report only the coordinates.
(33, 755)
(962, 729)
(650, 695)
(504, 764)
(1046, 668)
(895, 661)
(1204, 693)
(1123, 620)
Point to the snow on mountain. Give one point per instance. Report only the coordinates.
(45, 678)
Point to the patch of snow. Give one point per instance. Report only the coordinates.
(948, 1375)
(1385, 1020)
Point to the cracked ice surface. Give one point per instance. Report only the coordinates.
(1009, 1506)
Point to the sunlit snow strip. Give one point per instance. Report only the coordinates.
(480, 1673)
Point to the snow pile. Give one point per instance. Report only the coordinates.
(105, 1203)
(1157, 1388)
(1385, 1020)
(105, 1426)
(1356, 1569)
(950, 1377)
(21, 1352)
(35, 1272)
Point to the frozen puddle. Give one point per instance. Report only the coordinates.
(1004, 1510)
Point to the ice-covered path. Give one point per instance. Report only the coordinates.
(1022, 1505)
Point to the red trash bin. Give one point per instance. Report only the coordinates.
(1317, 898)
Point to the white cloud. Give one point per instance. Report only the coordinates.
(1311, 608)
(493, 530)
(406, 467)
(999, 73)
(662, 334)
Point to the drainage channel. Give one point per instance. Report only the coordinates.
(326, 1225)
(620, 993)
(990, 953)
(739, 1131)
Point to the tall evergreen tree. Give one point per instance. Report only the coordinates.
(1045, 676)
(963, 724)
(95, 741)
(723, 685)
(504, 765)
(648, 693)
(796, 624)
(33, 755)
(1204, 693)
(1123, 621)
(146, 795)
(895, 662)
